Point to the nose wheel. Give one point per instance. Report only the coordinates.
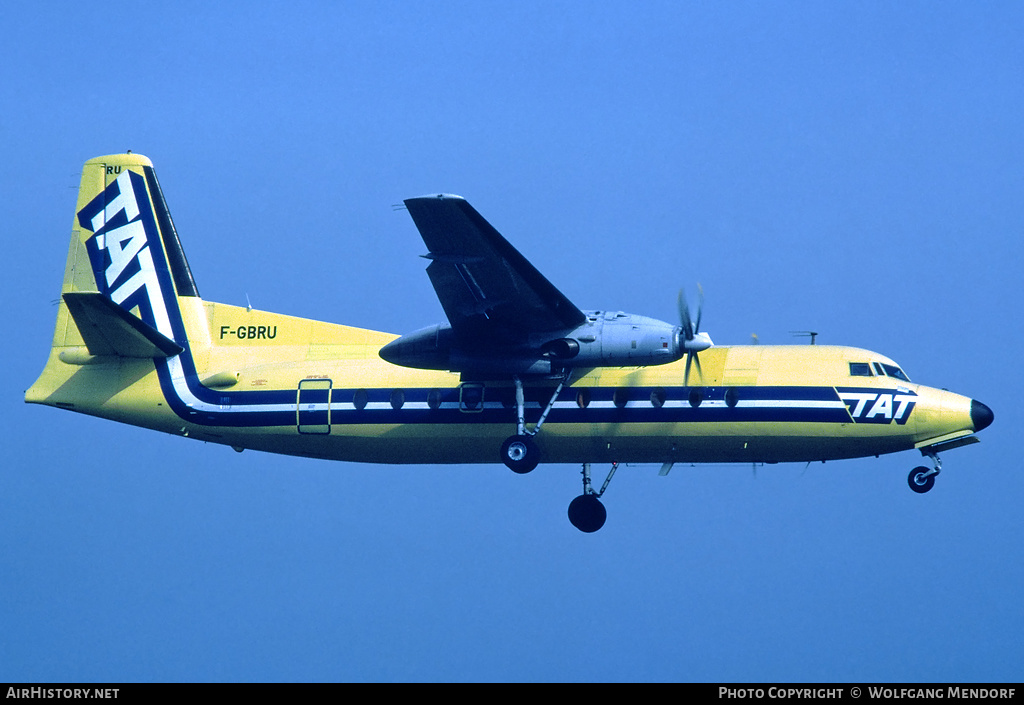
(586, 512)
(922, 479)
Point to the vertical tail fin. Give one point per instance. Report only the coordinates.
(124, 246)
(125, 271)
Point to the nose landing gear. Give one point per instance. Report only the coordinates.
(922, 479)
(586, 512)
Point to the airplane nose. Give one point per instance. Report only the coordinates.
(981, 415)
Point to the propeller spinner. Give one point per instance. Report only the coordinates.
(690, 338)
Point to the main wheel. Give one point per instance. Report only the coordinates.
(587, 513)
(520, 454)
(920, 481)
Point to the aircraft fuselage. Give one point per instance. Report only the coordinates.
(320, 390)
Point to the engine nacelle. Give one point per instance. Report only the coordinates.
(425, 349)
(616, 339)
(606, 339)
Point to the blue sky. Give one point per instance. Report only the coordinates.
(851, 168)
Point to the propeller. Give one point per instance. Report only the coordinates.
(690, 338)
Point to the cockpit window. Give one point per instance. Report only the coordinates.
(877, 369)
(894, 371)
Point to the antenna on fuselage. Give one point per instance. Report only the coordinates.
(805, 334)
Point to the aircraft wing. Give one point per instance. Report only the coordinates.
(488, 290)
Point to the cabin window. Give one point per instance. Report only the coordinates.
(658, 398)
(695, 398)
(397, 399)
(583, 398)
(506, 396)
(434, 399)
(620, 397)
(860, 369)
(471, 397)
(360, 399)
(732, 397)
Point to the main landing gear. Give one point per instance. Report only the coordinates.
(519, 452)
(922, 479)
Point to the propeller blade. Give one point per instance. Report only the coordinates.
(689, 331)
(684, 316)
(692, 357)
(687, 323)
(700, 308)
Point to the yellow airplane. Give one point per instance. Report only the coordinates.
(518, 373)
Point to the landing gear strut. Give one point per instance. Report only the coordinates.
(586, 512)
(519, 452)
(922, 479)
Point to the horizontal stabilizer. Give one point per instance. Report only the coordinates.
(108, 329)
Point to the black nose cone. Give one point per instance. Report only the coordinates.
(981, 415)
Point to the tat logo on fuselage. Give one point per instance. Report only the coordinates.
(119, 249)
(872, 406)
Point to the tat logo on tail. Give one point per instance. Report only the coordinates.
(121, 220)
